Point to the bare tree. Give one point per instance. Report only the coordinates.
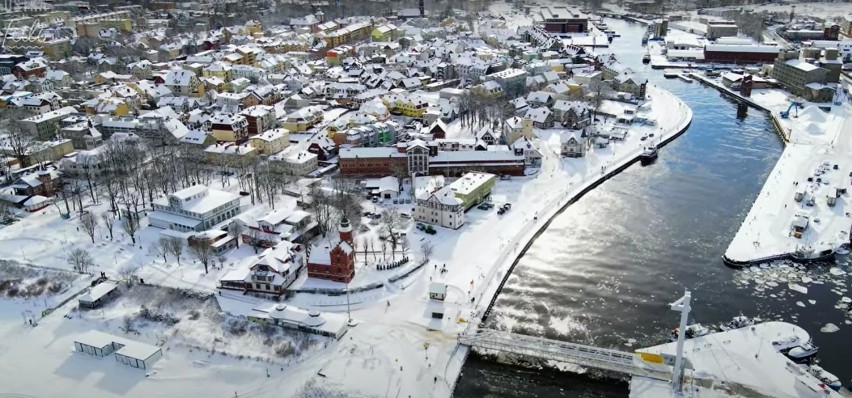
(202, 250)
(363, 241)
(236, 230)
(322, 207)
(403, 243)
(5, 216)
(393, 223)
(384, 250)
(127, 272)
(18, 139)
(89, 223)
(161, 248)
(427, 248)
(108, 223)
(175, 247)
(130, 225)
(81, 260)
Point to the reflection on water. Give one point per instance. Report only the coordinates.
(606, 267)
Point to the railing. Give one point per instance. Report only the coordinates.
(562, 351)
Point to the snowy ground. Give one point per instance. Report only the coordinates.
(819, 141)
(396, 349)
(750, 352)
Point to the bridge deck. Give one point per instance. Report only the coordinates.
(578, 354)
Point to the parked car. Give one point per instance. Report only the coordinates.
(501, 211)
(405, 215)
(430, 230)
(420, 227)
(396, 201)
(507, 206)
(375, 200)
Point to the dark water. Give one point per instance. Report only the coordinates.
(606, 267)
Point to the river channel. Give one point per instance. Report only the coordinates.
(604, 270)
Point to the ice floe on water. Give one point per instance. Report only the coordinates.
(785, 281)
(829, 328)
(798, 288)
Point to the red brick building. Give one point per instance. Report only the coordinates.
(334, 259)
(29, 68)
(740, 53)
(384, 161)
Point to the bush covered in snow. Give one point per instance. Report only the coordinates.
(22, 281)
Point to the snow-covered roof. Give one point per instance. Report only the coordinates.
(802, 65)
(380, 152)
(99, 291)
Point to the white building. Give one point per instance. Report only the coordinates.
(296, 163)
(196, 208)
(440, 208)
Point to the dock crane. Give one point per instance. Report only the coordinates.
(794, 104)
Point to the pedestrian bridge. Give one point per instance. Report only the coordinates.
(634, 364)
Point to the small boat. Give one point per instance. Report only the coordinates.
(648, 154)
(824, 376)
(671, 73)
(803, 352)
(692, 331)
(786, 343)
(646, 59)
(685, 77)
(739, 322)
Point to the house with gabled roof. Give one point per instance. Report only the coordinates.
(524, 147)
(441, 208)
(272, 272)
(542, 117)
(572, 145)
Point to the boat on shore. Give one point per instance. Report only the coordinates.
(824, 376)
(671, 73)
(692, 331)
(739, 322)
(794, 348)
(646, 59)
(648, 154)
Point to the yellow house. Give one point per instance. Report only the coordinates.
(271, 141)
(110, 76)
(107, 106)
(407, 106)
(231, 154)
(249, 54)
(387, 32)
(303, 119)
(218, 69)
(228, 127)
(253, 27)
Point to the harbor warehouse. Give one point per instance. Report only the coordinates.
(740, 53)
(564, 20)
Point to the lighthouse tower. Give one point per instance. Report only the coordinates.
(345, 230)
